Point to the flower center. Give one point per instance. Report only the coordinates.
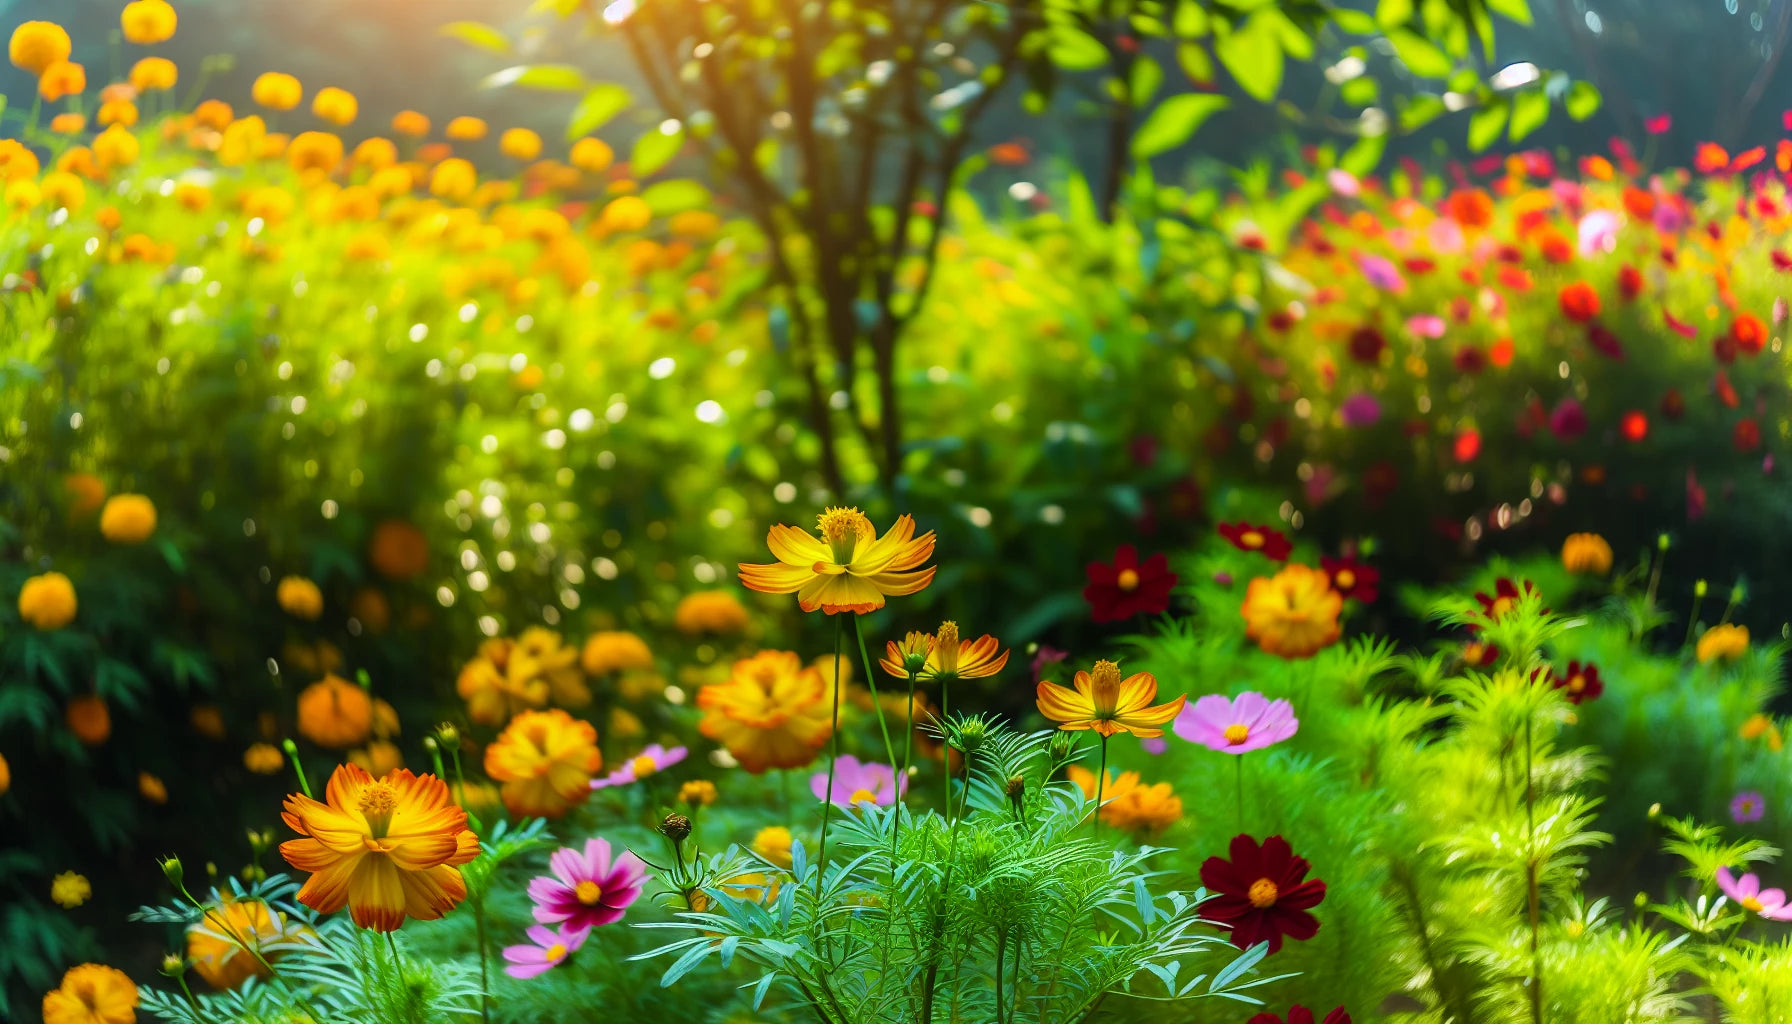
(1128, 579)
(588, 892)
(842, 528)
(556, 953)
(1104, 689)
(1500, 607)
(1751, 904)
(1344, 579)
(1577, 683)
(377, 803)
(1236, 734)
(1263, 893)
(1473, 653)
(862, 796)
(1251, 539)
(644, 766)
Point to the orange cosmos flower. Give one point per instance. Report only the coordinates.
(850, 568)
(388, 849)
(1711, 158)
(1104, 702)
(545, 759)
(1579, 301)
(944, 656)
(773, 712)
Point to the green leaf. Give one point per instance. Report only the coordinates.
(1075, 50)
(1174, 122)
(1147, 75)
(1295, 42)
(1421, 110)
(549, 77)
(1361, 92)
(656, 149)
(1420, 55)
(1583, 100)
(669, 197)
(1393, 13)
(1195, 62)
(1362, 158)
(1530, 109)
(599, 104)
(478, 33)
(1253, 55)
(1191, 21)
(1354, 22)
(1485, 125)
(1514, 10)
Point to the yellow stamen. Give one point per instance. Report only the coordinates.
(588, 892)
(1128, 579)
(1577, 684)
(1251, 539)
(1344, 579)
(1264, 893)
(862, 796)
(644, 766)
(1104, 689)
(1751, 904)
(556, 953)
(377, 803)
(945, 649)
(1236, 734)
(1500, 607)
(842, 528)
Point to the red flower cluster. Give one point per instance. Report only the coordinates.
(1580, 682)
(1271, 544)
(1128, 587)
(1263, 891)
(1298, 1014)
(1504, 597)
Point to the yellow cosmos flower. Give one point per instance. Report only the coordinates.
(774, 843)
(509, 676)
(710, 611)
(545, 759)
(213, 945)
(264, 759)
(948, 658)
(773, 712)
(614, 651)
(69, 890)
(849, 568)
(1104, 702)
(128, 519)
(1724, 642)
(1586, 554)
(387, 849)
(1294, 613)
(695, 793)
(92, 994)
(379, 758)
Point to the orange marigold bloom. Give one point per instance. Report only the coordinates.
(410, 123)
(68, 124)
(387, 849)
(1108, 704)
(64, 78)
(337, 106)
(277, 91)
(89, 719)
(609, 651)
(773, 712)
(1294, 613)
(213, 944)
(1579, 301)
(1471, 208)
(465, 129)
(47, 601)
(545, 759)
(116, 147)
(453, 179)
(335, 713)
(155, 74)
(509, 676)
(214, 114)
(397, 550)
(1555, 246)
(314, 153)
(520, 143)
(16, 161)
(92, 994)
(593, 156)
(376, 153)
(146, 22)
(38, 45)
(849, 568)
(710, 611)
(122, 112)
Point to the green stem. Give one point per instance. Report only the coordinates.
(945, 752)
(1693, 620)
(827, 795)
(1239, 773)
(908, 750)
(485, 984)
(292, 754)
(1530, 815)
(1101, 778)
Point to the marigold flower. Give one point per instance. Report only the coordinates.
(264, 759)
(453, 179)
(314, 153)
(92, 994)
(695, 793)
(1725, 642)
(771, 713)
(38, 45)
(1263, 892)
(16, 161)
(63, 78)
(70, 889)
(1129, 805)
(465, 129)
(508, 677)
(545, 760)
(337, 106)
(277, 91)
(1294, 613)
(213, 944)
(128, 519)
(119, 112)
(520, 144)
(773, 844)
(375, 154)
(1270, 543)
(593, 156)
(115, 147)
(387, 849)
(624, 214)
(849, 568)
(615, 651)
(410, 123)
(1586, 554)
(47, 601)
(146, 22)
(68, 124)
(1101, 700)
(710, 611)
(335, 713)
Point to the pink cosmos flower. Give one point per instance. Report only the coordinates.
(1381, 272)
(1251, 722)
(1598, 232)
(1446, 236)
(1426, 325)
(857, 782)
(654, 759)
(1748, 806)
(546, 950)
(1747, 893)
(587, 888)
(1343, 182)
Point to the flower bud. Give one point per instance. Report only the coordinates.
(1017, 787)
(1063, 744)
(1662, 543)
(971, 735)
(1654, 811)
(1700, 588)
(429, 744)
(174, 965)
(675, 827)
(172, 870)
(1641, 901)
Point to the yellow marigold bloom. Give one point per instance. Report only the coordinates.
(615, 651)
(86, 492)
(390, 182)
(242, 140)
(120, 112)
(213, 944)
(454, 179)
(21, 196)
(118, 92)
(594, 156)
(335, 713)
(63, 78)
(850, 568)
(128, 519)
(771, 713)
(520, 143)
(945, 657)
(89, 719)
(146, 22)
(625, 213)
(1104, 702)
(17, 163)
(92, 994)
(367, 247)
(1586, 554)
(379, 758)
(116, 147)
(465, 129)
(1294, 613)
(264, 759)
(68, 124)
(710, 611)
(207, 720)
(376, 153)
(300, 598)
(337, 106)
(410, 123)
(388, 849)
(47, 601)
(697, 224)
(314, 153)
(625, 724)
(1726, 642)
(155, 74)
(6, 775)
(214, 114)
(193, 196)
(695, 793)
(1129, 806)
(774, 843)
(38, 45)
(277, 91)
(545, 760)
(69, 890)
(152, 788)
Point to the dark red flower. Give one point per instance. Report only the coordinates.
(1263, 893)
(1605, 342)
(1673, 406)
(1271, 544)
(1128, 587)
(1568, 420)
(1366, 344)
(1476, 654)
(1470, 360)
(1748, 435)
(1505, 596)
(1298, 1014)
(1630, 281)
(1357, 581)
(1723, 349)
(1749, 333)
(1580, 682)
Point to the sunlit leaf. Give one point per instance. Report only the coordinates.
(1191, 21)
(1174, 122)
(1421, 110)
(1393, 13)
(1195, 62)
(1516, 10)
(1354, 22)
(656, 149)
(1075, 50)
(599, 104)
(1421, 56)
(1530, 109)
(1486, 124)
(478, 33)
(1360, 92)
(1253, 55)
(669, 197)
(550, 77)
(1583, 100)
(1147, 75)
(1362, 158)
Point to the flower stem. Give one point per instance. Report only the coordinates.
(945, 753)
(1101, 778)
(485, 985)
(1530, 816)
(292, 754)
(908, 751)
(871, 682)
(1239, 762)
(827, 803)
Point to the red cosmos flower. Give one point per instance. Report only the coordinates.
(1357, 581)
(1470, 360)
(1366, 344)
(1471, 208)
(1639, 203)
(1748, 435)
(1579, 683)
(1555, 246)
(1579, 301)
(1749, 333)
(1271, 544)
(1781, 261)
(1128, 587)
(1263, 893)
(1630, 281)
(1605, 342)
(1516, 278)
(1504, 598)
(1298, 1014)
(1502, 352)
